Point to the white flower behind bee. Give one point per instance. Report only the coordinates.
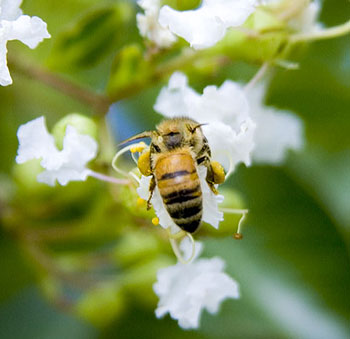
(15, 26)
(305, 21)
(66, 165)
(206, 25)
(211, 213)
(149, 26)
(225, 110)
(184, 290)
(277, 130)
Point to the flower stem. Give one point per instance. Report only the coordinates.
(100, 103)
(328, 33)
(107, 178)
(257, 77)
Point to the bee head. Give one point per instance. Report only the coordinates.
(176, 133)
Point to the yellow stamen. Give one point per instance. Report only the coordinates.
(140, 202)
(155, 221)
(138, 147)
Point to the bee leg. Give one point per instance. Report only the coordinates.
(152, 186)
(215, 175)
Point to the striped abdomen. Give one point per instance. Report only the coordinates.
(179, 186)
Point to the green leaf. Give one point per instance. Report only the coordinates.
(292, 265)
(93, 36)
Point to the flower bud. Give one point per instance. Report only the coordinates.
(83, 125)
(135, 246)
(101, 305)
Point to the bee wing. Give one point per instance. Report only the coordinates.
(146, 134)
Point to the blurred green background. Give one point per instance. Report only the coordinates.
(293, 263)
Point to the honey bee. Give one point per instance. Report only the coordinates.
(178, 146)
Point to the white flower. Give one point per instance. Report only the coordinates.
(15, 26)
(306, 21)
(229, 129)
(205, 26)
(66, 165)
(211, 213)
(277, 131)
(184, 290)
(149, 26)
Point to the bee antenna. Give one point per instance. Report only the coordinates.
(192, 129)
(146, 134)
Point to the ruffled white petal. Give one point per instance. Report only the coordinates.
(9, 9)
(35, 142)
(15, 26)
(29, 30)
(211, 213)
(225, 110)
(184, 290)
(176, 99)
(206, 25)
(277, 131)
(64, 166)
(149, 26)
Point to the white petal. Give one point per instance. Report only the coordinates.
(149, 26)
(9, 9)
(78, 149)
(35, 142)
(67, 165)
(277, 130)
(211, 213)
(5, 78)
(29, 30)
(306, 22)
(177, 98)
(185, 289)
(206, 25)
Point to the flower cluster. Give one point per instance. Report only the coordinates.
(16, 26)
(202, 27)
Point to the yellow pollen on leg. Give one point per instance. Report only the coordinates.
(155, 221)
(219, 172)
(144, 163)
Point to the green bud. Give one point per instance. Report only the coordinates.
(138, 280)
(264, 39)
(129, 69)
(26, 174)
(135, 246)
(136, 206)
(101, 305)
(83, 124)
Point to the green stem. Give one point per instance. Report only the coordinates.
(328, 33)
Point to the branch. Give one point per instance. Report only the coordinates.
(98, 102)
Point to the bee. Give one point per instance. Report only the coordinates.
(178, 146)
